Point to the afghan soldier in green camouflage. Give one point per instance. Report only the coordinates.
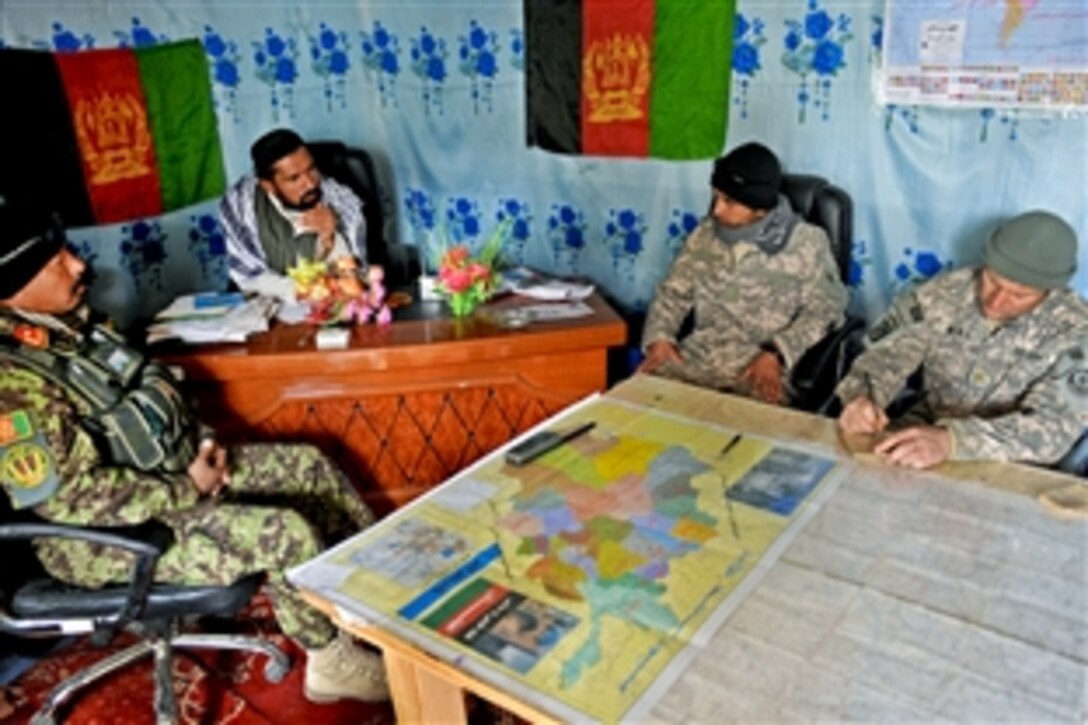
(256, 508)
(1003, 351)
(762, 284)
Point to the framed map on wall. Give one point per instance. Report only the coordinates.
(1029, 54)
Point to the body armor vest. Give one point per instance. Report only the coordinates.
(135, 412)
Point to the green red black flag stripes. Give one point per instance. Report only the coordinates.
(629, 77)
(120, 133)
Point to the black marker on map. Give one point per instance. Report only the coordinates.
(540, 443)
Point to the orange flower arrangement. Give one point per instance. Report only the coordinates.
(338, 292)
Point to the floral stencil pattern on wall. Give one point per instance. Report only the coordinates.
(815, 49)
(138, 36)
(329, 52)
(918, 266)
(429, 64)
(419, 208)
(517, 49)
(567, 235)
(276, 59)
(463, 219)
(381, 58)
(143, 252)
(859, 260)
(208, 246)
(223, 60)
(625, 234)
(517, 211)
(65, 41)
(478, 60)
(682, 224)
(747, 38)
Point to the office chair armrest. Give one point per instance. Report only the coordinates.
(824, 364)
(147, 540)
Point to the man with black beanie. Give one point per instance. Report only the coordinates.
(762, 284)
(114, 443)
(285, 211)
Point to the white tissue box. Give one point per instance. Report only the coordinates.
(333, 338)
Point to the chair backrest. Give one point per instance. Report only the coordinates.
(354, 168)
(828, 207)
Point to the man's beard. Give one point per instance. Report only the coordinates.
(306, 202)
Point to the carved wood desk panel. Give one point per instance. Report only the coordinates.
(406, 406)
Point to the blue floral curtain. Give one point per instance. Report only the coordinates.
(435, 91)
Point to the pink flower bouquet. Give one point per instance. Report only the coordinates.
(466, 281)
(340, 293)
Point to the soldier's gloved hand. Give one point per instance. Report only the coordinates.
(657, 354)
(208, 470)
(764, 378)
(921, 446)
(862, 415)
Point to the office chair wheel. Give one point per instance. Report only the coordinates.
(275, 671)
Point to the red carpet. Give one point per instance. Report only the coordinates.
(210, 687)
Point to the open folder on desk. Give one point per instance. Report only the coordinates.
(228, 324)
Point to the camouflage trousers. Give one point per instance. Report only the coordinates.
(283, 503)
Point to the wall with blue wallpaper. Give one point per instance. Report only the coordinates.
(435, 90)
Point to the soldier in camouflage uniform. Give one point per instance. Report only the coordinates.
(762, 285)
(257, 508)
(1003, 351)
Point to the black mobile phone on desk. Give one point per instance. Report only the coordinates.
(540, 443)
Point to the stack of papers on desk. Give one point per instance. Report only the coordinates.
(227, 324)
(201, 304)
(530, 283)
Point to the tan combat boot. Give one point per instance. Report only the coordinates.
(343, 669)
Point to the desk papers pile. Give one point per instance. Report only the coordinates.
(206, 323)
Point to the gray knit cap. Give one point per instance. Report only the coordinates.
(1037, 249)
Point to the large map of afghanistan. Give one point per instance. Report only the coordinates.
(1011, 53)
(578, 578)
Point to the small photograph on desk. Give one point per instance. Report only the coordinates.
(780, 481)
(502, 624)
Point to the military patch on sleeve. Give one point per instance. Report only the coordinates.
(27, 470)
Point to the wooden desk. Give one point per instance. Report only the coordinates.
(906, 596)
(408, 405)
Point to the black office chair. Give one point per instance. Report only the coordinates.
(818, 371)
(34, 605)
(354, 168)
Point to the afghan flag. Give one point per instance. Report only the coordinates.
(104, 136)
(629, 77)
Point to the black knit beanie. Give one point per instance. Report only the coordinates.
(749, 174)
(28, 240)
